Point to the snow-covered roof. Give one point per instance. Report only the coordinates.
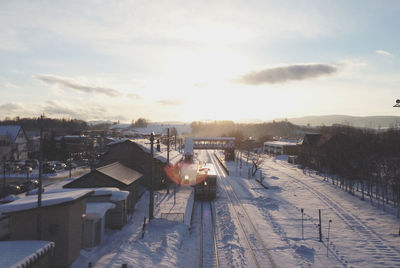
(98, 209)
(48, 199)
(116, 194)
(120, 173)
(10, 130)
(22, 253)
(213, 138)
(174, 156)
(280, 143)
(144, 144)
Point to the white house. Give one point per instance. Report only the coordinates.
(13, 143)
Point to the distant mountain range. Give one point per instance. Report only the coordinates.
(355, 121)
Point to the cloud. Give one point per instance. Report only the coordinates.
(90, 112)
(11, 107)
(133, 96)
(384, 53)
(71, 84)
(286, 73)
(171, 102)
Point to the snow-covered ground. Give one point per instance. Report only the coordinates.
(360, 234)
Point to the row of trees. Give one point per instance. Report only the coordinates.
(65, 125)
(259, 133)
(358, 159)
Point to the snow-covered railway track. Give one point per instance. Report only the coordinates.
(208, 242)
(374, 243)
(258, 251)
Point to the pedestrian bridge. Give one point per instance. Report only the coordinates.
(209, 143)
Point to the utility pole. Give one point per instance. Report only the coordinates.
(39, 203)
(4, 175)
(302, 226)
(151, 206)
(70, 165)
(168, 146)
(168, 159)
(320, 226)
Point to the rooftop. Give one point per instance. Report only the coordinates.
(48, 199)
(120, 173)
(11, 130)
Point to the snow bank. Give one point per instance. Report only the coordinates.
(22, 253)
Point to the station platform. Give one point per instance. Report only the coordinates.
(178, 208)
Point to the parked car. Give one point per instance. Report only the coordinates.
(13, 189)
(49, 167)
(28, 185)
(60, 166)
(26, 169)
(33, 163)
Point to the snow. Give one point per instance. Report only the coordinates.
(157, 248)
(144, 144)
(98, 209)
(48, 199)
(9, 198)
(158, 128)
(23, 252)
(281, 143)
(116, 194)
(357, 239)
(361, 235)
(174, 156)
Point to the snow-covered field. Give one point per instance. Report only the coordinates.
(360, 234)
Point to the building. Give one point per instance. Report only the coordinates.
(113, 175)
(283, 146)
(95, 223)
(13, 143)
(136, 155)
(62, 218)
(76, 143)
(116, 217)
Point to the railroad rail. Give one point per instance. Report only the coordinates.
(207, 229)
(260, 254)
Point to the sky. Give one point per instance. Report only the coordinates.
(198, 60)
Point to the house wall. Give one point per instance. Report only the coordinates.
(20, 146)
(61, 224)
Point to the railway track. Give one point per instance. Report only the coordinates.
(260, 255)
(376, 245)
(208, 241)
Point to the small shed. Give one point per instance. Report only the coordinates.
(26, 253)
(61, 221)
(94, 223)
(112, 175)
(117, 217)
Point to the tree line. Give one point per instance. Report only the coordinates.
(357, 159)
(70, 126)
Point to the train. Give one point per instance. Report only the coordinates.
(202, 177)
(206, 182)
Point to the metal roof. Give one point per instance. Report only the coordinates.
(121, 173)
(11, 130)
